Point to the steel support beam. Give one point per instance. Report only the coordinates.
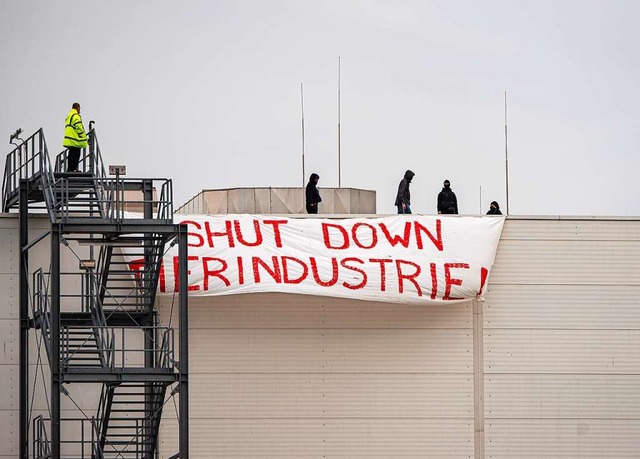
(24, 319)
(183, 297)
(56, 379)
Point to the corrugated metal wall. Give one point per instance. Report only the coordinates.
(299, 376)
(276, 375)
(562, 341)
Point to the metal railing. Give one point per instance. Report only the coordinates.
(40, 308)
(41, 443)
(29, 160)
(128, 346)
(85, 447)
(114, 199)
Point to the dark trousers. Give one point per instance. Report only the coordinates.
(73, 158)
(406, 210)
(312, 208)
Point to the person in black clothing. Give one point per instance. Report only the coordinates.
(313, 195)
(403, 198)
(494, 208)
(447, 201)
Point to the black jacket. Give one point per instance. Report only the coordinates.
(493, 211)
(312, 193)
(404, 194)
(447, 201)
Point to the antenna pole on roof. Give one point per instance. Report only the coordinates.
(339, 158)
(302, 110)
(506, 152)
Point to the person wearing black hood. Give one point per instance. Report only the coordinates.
(312, 194)
(447, 201)
(403, 198)
(494, 208)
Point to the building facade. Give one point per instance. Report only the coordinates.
(548, 366)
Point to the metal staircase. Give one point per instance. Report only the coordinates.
(103, 326)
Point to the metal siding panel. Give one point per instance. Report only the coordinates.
(544, 396)
(10, 341)
(318, 438)
(562, 351)
(275, 375)
(9, 300)
(241, 200)
(345, 351)
(9, 382)
(567, 262)
(563, 439)
(276, 310)
(287, 201)
(9, 261)
(325, 395)
(562, 307)
(263, 200)
(9, 420)
(571, 230)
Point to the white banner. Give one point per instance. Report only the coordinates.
(401, 259)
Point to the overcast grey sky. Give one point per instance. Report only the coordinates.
(208, 93)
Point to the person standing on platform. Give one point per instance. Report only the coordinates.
(75, 138)
(312, 194)
(494, 208)
(403, 198)
(447, 201)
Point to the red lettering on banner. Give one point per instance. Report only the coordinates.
(410, 277)
(434, 281)
(484, 272)
(449, 281)
(327, 240)
(199, 236)
(285, 270)
(176, 276)
(228, 232)
(396, 239)
(354, 268)
(256, 228)
(215, 273)
(163, 281)
(276, 229)
(316, 276)
(383, 271)
(437, 241)
(240, 270)
(374, 235)
(274, 271)
(136, 266)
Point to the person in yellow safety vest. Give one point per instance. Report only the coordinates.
(75, 137)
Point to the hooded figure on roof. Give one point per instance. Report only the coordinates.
(403, 198)
(312, 194)
(447, 201)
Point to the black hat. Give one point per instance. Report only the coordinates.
(446, 183)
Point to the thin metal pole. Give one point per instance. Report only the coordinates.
(339, 152)
(506, 152)
(56, 380)
(302, 110)
(183, 299)
(24, 319)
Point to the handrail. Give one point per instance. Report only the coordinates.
(121, 350)
(26, 161)
(41, 443)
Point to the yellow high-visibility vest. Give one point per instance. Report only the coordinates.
(74, 135)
